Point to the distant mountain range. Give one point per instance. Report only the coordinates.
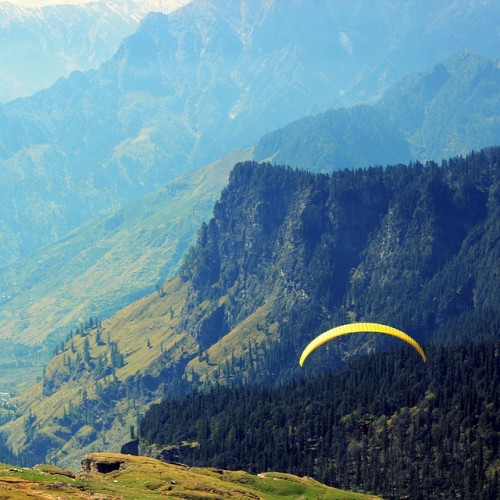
(450, 109)
(40, 45)
(188, 88)
(286, 255)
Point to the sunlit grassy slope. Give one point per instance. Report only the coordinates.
(142, 332)
(109, 262)
(141, 477)
(149, 335)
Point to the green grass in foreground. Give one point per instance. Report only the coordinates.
(144, 478)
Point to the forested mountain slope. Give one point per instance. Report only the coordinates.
(371, 244)
(287, 255)
(388, 423)
(192, 86)
(338, 138)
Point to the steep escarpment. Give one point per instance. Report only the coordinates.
(305, 251)
(281, 236)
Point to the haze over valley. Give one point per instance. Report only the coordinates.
(195, 190)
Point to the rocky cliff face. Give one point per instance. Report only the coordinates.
(279, 233)
(424, 265)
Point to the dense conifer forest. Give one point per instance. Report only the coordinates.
(388, 424)
(6, 454)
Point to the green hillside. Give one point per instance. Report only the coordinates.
(87, 402)
(130, 478)
(101, 267)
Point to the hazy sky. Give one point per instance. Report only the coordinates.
(41, 3)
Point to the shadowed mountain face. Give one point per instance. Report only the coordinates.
(189, 87)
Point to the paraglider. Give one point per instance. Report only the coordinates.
(358, 328)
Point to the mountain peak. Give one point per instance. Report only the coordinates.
(465, 61)
(154, 22)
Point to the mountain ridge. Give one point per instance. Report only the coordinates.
(54, 40)
(449, 109)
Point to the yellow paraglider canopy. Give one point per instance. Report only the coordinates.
(359, 328)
